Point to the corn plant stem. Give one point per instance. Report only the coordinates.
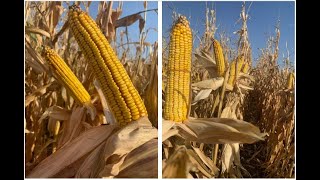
(223, 89)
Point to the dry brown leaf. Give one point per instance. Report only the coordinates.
(93, 164)
(205, 60)
(142, 162)
(171, 132)
(166, 126)
(128, 20)
(206, 160)
(36, 94)
(70, 153)
(125, 140)
(219, 131)
(72, 127)
(55, 12)
(198, 164)
(37, 31)
(213, 84)
(56, 112)
(203, 94)
(151, 100)
(178, 164)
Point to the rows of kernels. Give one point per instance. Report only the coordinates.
(67, 77)
(115, 83)
(179, 66)
(218, 54)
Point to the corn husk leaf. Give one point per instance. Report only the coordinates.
(178, 165)
(219, 131)
(71, 152)
(56, 112)
(203, 94)
(93, 164)
(123, 141)
(72, 127)
(213, 84)
(142, 162)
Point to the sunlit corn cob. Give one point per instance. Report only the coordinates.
(122, 97)
(178, 71)
(218, 54)
(234, 72)
(290, 80)
(246, 68)
(66, 76)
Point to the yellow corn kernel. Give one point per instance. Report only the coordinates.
(218, 54)
(122, 97)
(235, 70)
(178, 71)
(66, 76)
(246, 68)
(290, 80)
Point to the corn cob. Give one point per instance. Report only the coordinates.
(178, 71)
(246, 68)
(290, 80)
(66, 76)
(122, 97)
(234, 72)
(218, 54)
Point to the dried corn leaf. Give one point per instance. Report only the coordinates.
(93, 164)
(56, 112)
(219, 131)
(72, 127)
(36, 93)
(203, 94)
(166, 126)
(125, 140)
(206, 160)
(198, 164)
(205, 59)
(142, 162)
(213, 84)
(70, 153)
(37, 31)
(178, 164)
(128, 20)
(171, 132)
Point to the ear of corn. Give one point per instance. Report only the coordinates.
(246, 68)
(218, 54)
(178, 72)
(235, 68)
(122, 97)
(290, 80)
(66, 76)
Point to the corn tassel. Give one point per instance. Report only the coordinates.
(234, 72)
(122, 97)
(218, 54)
(66, 76)
(178, 72)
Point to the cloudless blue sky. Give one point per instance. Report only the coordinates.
(263, 17)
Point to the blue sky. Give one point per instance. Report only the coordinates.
(263, 17)
(131, 7)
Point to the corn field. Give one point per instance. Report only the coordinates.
(91, 92)
(239, 121)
